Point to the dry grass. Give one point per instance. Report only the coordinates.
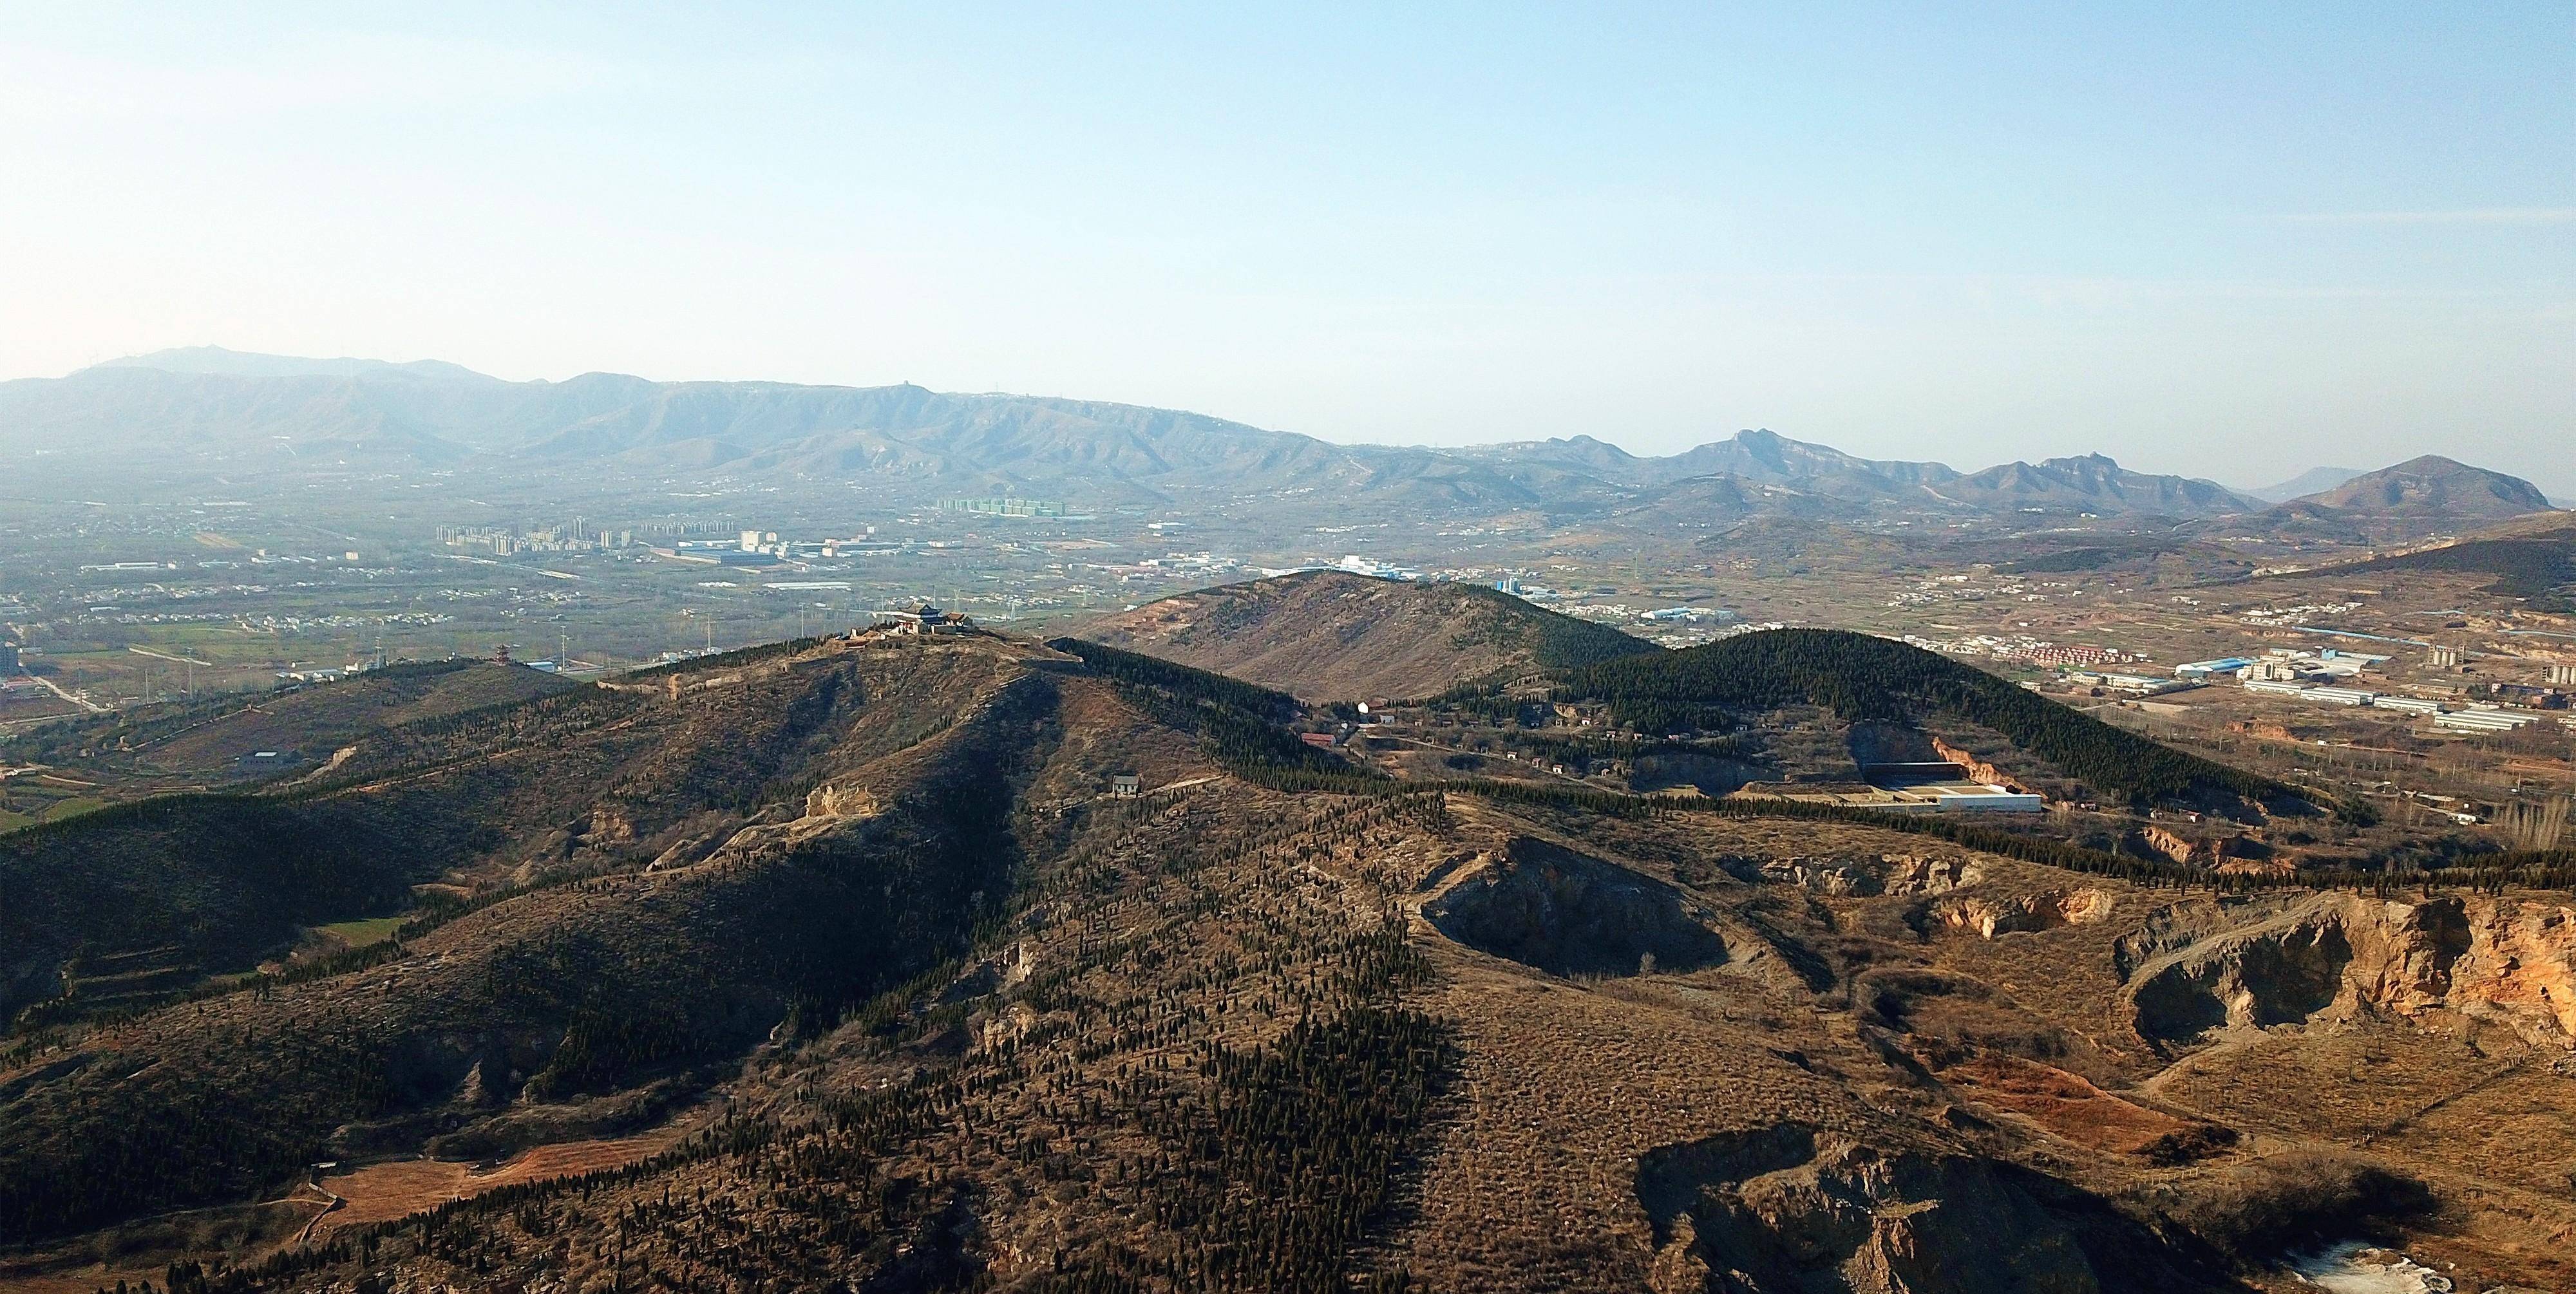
(2069, 1107)
(380, 1192)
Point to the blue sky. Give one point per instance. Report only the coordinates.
(2233, 240)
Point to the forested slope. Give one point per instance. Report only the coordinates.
(1861, 677)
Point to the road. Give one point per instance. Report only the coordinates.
(83, 702)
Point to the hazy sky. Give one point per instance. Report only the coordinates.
(2233, 240)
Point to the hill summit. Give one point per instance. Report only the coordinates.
(2431, 486)
(1334, 635)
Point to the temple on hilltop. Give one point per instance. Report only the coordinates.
(922, 620)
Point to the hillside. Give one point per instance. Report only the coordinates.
(2091, 483)
(221, 739)
(2535, 564)
(1862, 678)
(1759, 457)
(853, 962)
(2430, 486)
(1332, 635)
(1698, 503)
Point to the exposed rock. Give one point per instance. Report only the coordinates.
(1977, 769)
(1855, 877)
(1910, 875)
(2171, 928)
(2509, 959)
(1840, 877)
(1782, 1211)
(2204, 851)
(1572, 914)
(2279, 972)
(2521, 962)
(1989, 917)
(830, 801)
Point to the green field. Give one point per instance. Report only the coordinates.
(71, 809)
(359, 934)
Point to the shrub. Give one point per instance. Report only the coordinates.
(2300, 1198)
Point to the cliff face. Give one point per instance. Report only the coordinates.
(1978, 769)
(1570, 914)
(2521, 961)
(2209, 851)
(2511, 960)
(1782, 1209)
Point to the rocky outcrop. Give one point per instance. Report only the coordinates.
(1782, 1211)
(2508, 959)
(2521, 964)
(2202, 851)
(1978, 769)
(1911, 875)
(1572, 914)
(1851, 877)
(1989, 917)
(2172, 927)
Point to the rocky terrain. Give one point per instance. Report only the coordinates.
(853, 963)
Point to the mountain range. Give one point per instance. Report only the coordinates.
(207, 407)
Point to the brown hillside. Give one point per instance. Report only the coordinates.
(1336, 636)
(2430, 486)
(852, 966)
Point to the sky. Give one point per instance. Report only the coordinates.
(2230, 240)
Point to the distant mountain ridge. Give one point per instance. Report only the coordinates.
(211, 406)
(2312, 481)
(217, 361)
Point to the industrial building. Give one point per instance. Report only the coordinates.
(1924, 797)
(2279, 670)
(2484, 720)
(2205, 670)
(2139, 684)
(1011, 507)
